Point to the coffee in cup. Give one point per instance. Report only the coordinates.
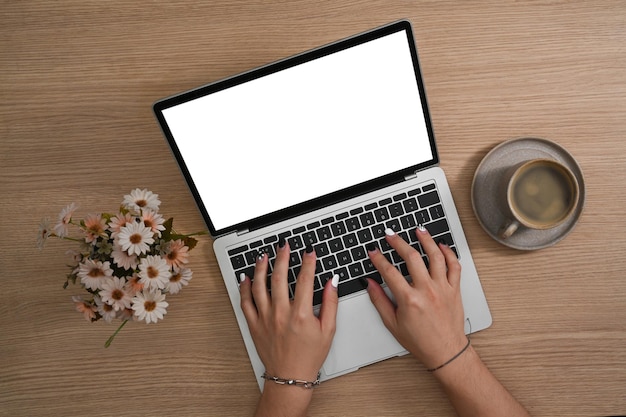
(540, 194)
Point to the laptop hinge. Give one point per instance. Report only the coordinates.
(242, 232)
(411, 176)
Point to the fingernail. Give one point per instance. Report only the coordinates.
(442, 242)
(335, 281)
(242, 277)
(260, 256)
(309, 249)
(389, 232)
(421, 227)
(364, 282)
(371, 247)
(281, 242)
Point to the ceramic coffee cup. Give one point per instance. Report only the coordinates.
(537, 194)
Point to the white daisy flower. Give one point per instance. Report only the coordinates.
(61, 228)
(154, 272)
(153, 220)
(116, 223)
(44, 232)
(135, 238)
(150, 306)
(122, 259)
(107, 311)
(94, 273)
(141, 199)
(178, 278)
(114, 294)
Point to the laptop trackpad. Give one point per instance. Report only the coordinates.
(361, 337)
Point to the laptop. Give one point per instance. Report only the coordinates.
(327, 148)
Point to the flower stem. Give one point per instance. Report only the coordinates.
(108, 342)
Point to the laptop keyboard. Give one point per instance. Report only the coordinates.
(340, 241)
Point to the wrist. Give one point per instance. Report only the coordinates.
(283, 400)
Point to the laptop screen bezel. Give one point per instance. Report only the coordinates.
(160, 106)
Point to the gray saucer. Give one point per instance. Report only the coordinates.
(485, 188)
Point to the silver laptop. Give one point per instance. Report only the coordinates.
(326, 148)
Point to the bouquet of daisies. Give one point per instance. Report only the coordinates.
(127, 262)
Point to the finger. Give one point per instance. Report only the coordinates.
(414, 262)
(394, 279)
(259, 285)
(303, 297)
(436, 260)
(383, 304)
(280, 286)
(454, 266)
(328, 310)
(247, 304)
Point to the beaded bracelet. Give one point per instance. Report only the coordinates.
(451, 359)
(294, 382)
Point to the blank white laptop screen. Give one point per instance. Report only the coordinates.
(303, 132)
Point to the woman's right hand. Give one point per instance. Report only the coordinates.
(428, 319)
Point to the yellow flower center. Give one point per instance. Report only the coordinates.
(152, 272)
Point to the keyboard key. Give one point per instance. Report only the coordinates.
(256, 244)
(341, 216)
(399, 197)
(384, 201)
(323, 233)
(358, 253)
(364, 235)
(270, 239)
(298, 230)
(321, 249)
(335, 245)
(410, 205)
(355, 270)
(414, 192)
(381, 214)
(238, 262)
(371, 206)
(312, 225)
(356, 211)
(329, 263)
(295, 242)
(309, 238)
(328, 220)
(438, 227)
(408, 221)
(350, 240)
(367, 219)
(344, 258)
(343, 274)
(353, 224)
(436, 212)
(349, 287)
(238, 250)
(378, 231)
(422, 217)
(294, 259)
(394, 225)
(428, 187)
(338, 228)
(395, 210)
(429, 199)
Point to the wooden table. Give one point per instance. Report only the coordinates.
(77, 82)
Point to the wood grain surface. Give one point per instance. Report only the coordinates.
(77, 80)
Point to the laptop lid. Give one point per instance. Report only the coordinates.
(328, 124)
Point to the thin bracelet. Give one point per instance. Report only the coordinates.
(451, 359)
(294, 382)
